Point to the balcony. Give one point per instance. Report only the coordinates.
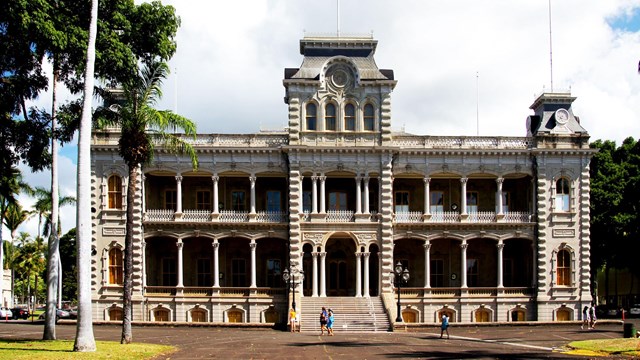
(474, 292)
(205, 216)
(208, 291)
(413, 217)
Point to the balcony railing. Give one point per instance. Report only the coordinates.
(339, 216)
(163, 215)
(455, 292)
(208, 291)
(196, 215)
(159, 215)
(413, 217)
(233, 216)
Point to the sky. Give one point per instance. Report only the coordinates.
(464, 67)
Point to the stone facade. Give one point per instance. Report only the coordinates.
(489, 228)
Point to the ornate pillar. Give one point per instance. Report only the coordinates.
(366, 274)
(314, 194)
(358, 194)
(216, 264)
(252, 245)
(144, 202)
(323, 199)
(427, 196)
(499, 182)
(427, 264)
(180, 245)
(463, 196)
(315, 274)
(323, 273)
(358, 274)
(215, 180)
(179, 194)
(463, 278)
(365, 194)
(252, 179)
(500, 267)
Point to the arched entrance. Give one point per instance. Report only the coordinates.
(341, 266)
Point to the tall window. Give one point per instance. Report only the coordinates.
(312, 116)
(437, 202)
(562, 195)
(369, 117)
(170, 200)
(273, 200)
(203, 200)
(563, 268)
(330, 117)
(349, 117)
(472, 272)
(402, 201)
(238, 273)
(115, 192)
(273, 273)
(115, 266)
(204, 272)
(337, 200)
(472, 201)
(238, 200)
(169, 276)
(437, 273)
(306, 201)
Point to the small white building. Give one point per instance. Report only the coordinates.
(490, 228)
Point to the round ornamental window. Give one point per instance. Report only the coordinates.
(340, 78)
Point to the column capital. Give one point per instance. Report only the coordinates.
(500, 246)
(464, 246)
(427, 245)
(315, 253)
(366, 254)
(178, 178)
(215, 178)
(464, 180)
(215, 244)
(426, 179)
(500, 180)
(179, 244)
(322, 254)
(252, 245)
(322, 177)
(252, 178)
(314, 178)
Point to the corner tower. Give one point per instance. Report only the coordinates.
(338, 96)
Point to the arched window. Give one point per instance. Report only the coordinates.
(115, 314)
(115, 266)
(330, 117)
(312, 115)
(562, 195)
(369, 117)
(563, 268)
(115, 192)
(350, 117)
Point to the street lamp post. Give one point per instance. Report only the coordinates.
(401, 276)
(290, 278)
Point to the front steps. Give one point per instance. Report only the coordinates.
(350, 314)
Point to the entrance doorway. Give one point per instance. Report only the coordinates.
(341, 267)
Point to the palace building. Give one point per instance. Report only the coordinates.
(488, 228)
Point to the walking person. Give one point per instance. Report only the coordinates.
(585, 318)
(592, 316)
(330, 323)
(445, 325)
(324, 317)
(292, 319)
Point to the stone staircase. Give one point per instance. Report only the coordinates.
(350, 314)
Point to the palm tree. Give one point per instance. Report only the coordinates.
(142, 127)
(43, 210)
(31, 260)
(11, 184)
(14, 217)
(85, 340)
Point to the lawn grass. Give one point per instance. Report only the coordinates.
(605, 347)
(63, 349)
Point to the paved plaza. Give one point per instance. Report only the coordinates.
(466, 342)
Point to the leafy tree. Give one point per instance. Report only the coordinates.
(14, 217)
(69, 252)
(142, 126)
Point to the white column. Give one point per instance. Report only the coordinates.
(358, 194)
(463, 195)
(180, 245)
(323, 272)
(366, 274)
(215, 179)
(179, 193)
(252, 245)
(427, 264)
(252, 179)
(365, 194)
(500, 269)
(315, 274)
(463, 250)
(323, 198)
(216, 263)
(358, 274)
(499, 181)
(427, 196)
(314, 194)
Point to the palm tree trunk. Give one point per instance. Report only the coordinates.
(85, 340)
(127, 336)
(52, 273)
(2, 212)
